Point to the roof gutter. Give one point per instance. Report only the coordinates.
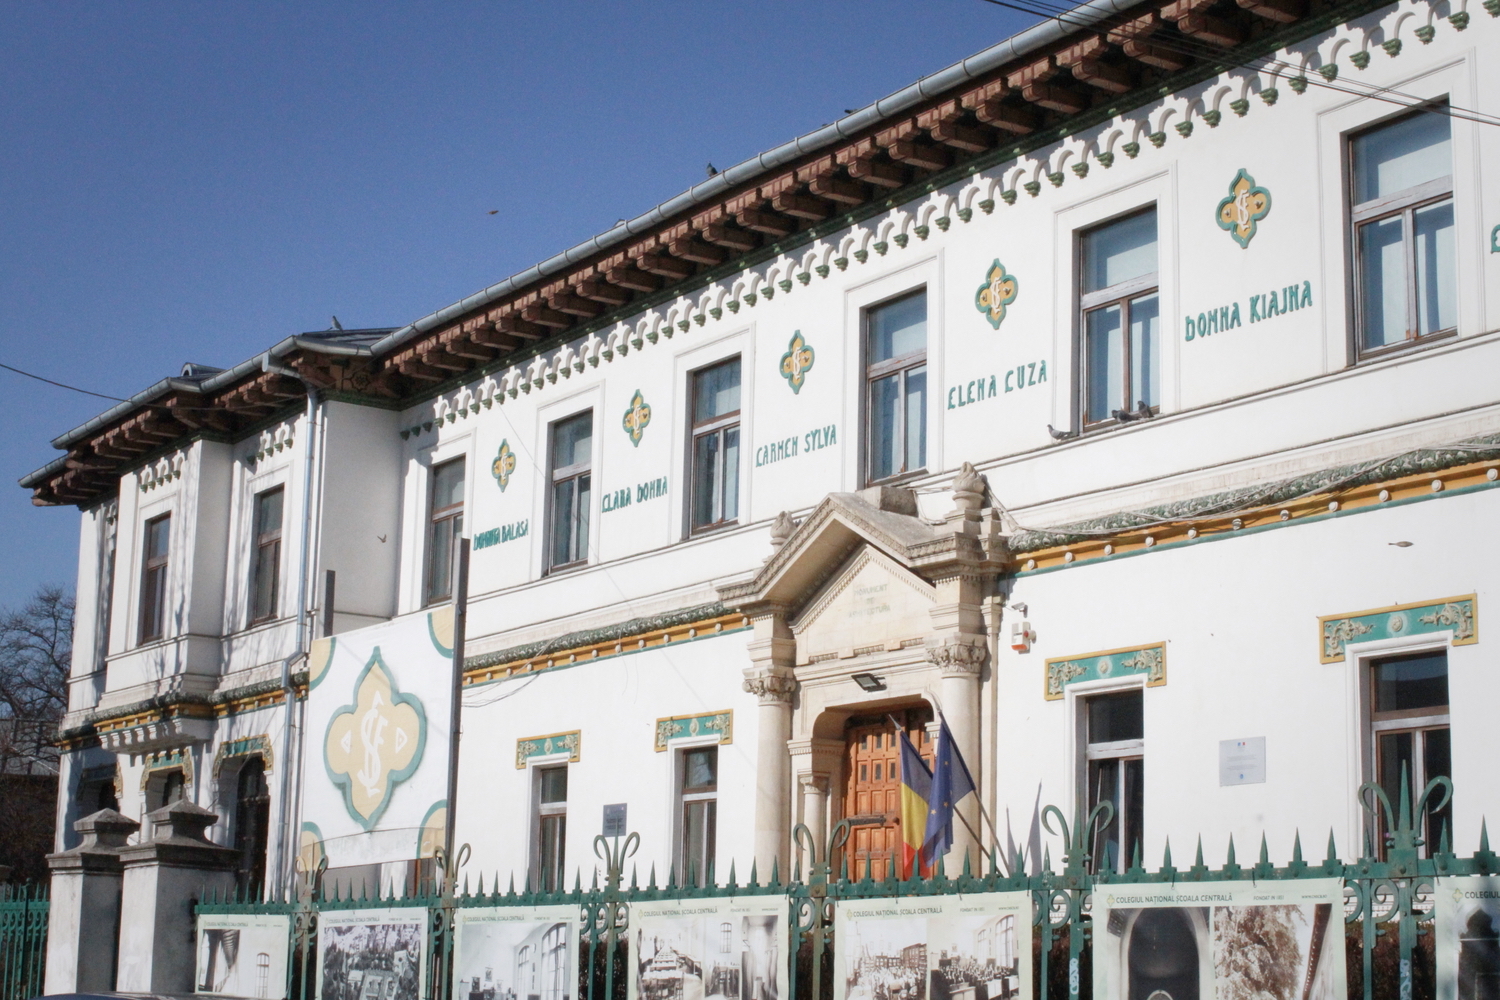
(720, 184)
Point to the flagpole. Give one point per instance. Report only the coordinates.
(978, 799)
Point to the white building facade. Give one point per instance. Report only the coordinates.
(1126, 394)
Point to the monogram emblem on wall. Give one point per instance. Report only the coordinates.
(1241, 212)
(998, 291)
(797, 362)
(374, 744)
(504, 465)
(637, 416)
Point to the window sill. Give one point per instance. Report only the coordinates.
(571, 567)
(712, 529)
(901, 480)
(1371, 355)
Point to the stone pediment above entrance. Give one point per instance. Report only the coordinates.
(872, 604)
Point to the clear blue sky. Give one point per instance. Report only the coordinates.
(193, 182)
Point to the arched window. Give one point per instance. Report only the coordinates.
(173, 787)
(1163, 956)
(252, 818)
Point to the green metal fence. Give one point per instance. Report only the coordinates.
(23, 941)
(1388, 907)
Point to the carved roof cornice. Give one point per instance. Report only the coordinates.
(1023, 94)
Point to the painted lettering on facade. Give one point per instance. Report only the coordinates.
(1260, 308)
(639, 494)
(504, 533)
(989, 386)
(797, 444)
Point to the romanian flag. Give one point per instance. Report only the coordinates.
(916, 791)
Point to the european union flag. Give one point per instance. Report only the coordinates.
(951, 781)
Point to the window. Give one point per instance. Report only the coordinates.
(700, 810)
(265, 560)
(555, 975)
(154, 577)
(446, 525)
(551, 826)
(252, 821)
(1121, 320)
(572, 496)
(1409, 729)
(716, 445)
(1401, 206)
(166, 788)
(896, 372)
(1115, 773)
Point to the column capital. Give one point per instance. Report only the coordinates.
(813, 783)
(772, 686)
(958, 657)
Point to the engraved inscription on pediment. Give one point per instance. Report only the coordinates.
(872, 604)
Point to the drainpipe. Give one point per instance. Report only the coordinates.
(289, 696)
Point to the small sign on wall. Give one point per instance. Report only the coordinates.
(1242, 762)
(614, 820)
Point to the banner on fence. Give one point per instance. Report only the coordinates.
(975, 946)
(1220, 940)
(1468, 937)
(372, 954)
(515, 952)
(728, 948)
(243, 954)
(376, 766)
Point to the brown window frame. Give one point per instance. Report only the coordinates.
(266, 552)
(719, 425)
(1121, 294)
(1405, 204)
(448, 518)
(151, 624)
(901, 366)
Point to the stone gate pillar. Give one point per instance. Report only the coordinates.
(164, 877)
(83, 923)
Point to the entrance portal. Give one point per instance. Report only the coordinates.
(872, 793)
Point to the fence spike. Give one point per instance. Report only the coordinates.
(1230, 861)
(652, 884)
(775, 871)
(1484, 836)
(1333, 851)
(1403, 818)
(754, 874)
(577, 881)
(1265, 854)
(844, 869)
(466, 884)
(1198, 861)
(512, 891)
(595, 887)
(1047, 858)
(1443, 840)
(671, 876)
(634, 882)
(731, 873)
(1297, 847)
(1135, 857)
(1166, 855)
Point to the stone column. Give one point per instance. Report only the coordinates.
(770, 679)
(959, 664)
(960, 645)
(814, 810)
(163, 878)
(84, 921)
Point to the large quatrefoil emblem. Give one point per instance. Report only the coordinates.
(637, 417)
(1246, 205)
(796, 362)
(998, 291)
(374, 744)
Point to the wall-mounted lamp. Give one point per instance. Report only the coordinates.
(868, 682)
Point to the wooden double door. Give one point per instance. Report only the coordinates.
(872, 789)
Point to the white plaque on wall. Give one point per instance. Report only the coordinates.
(1242, 762)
